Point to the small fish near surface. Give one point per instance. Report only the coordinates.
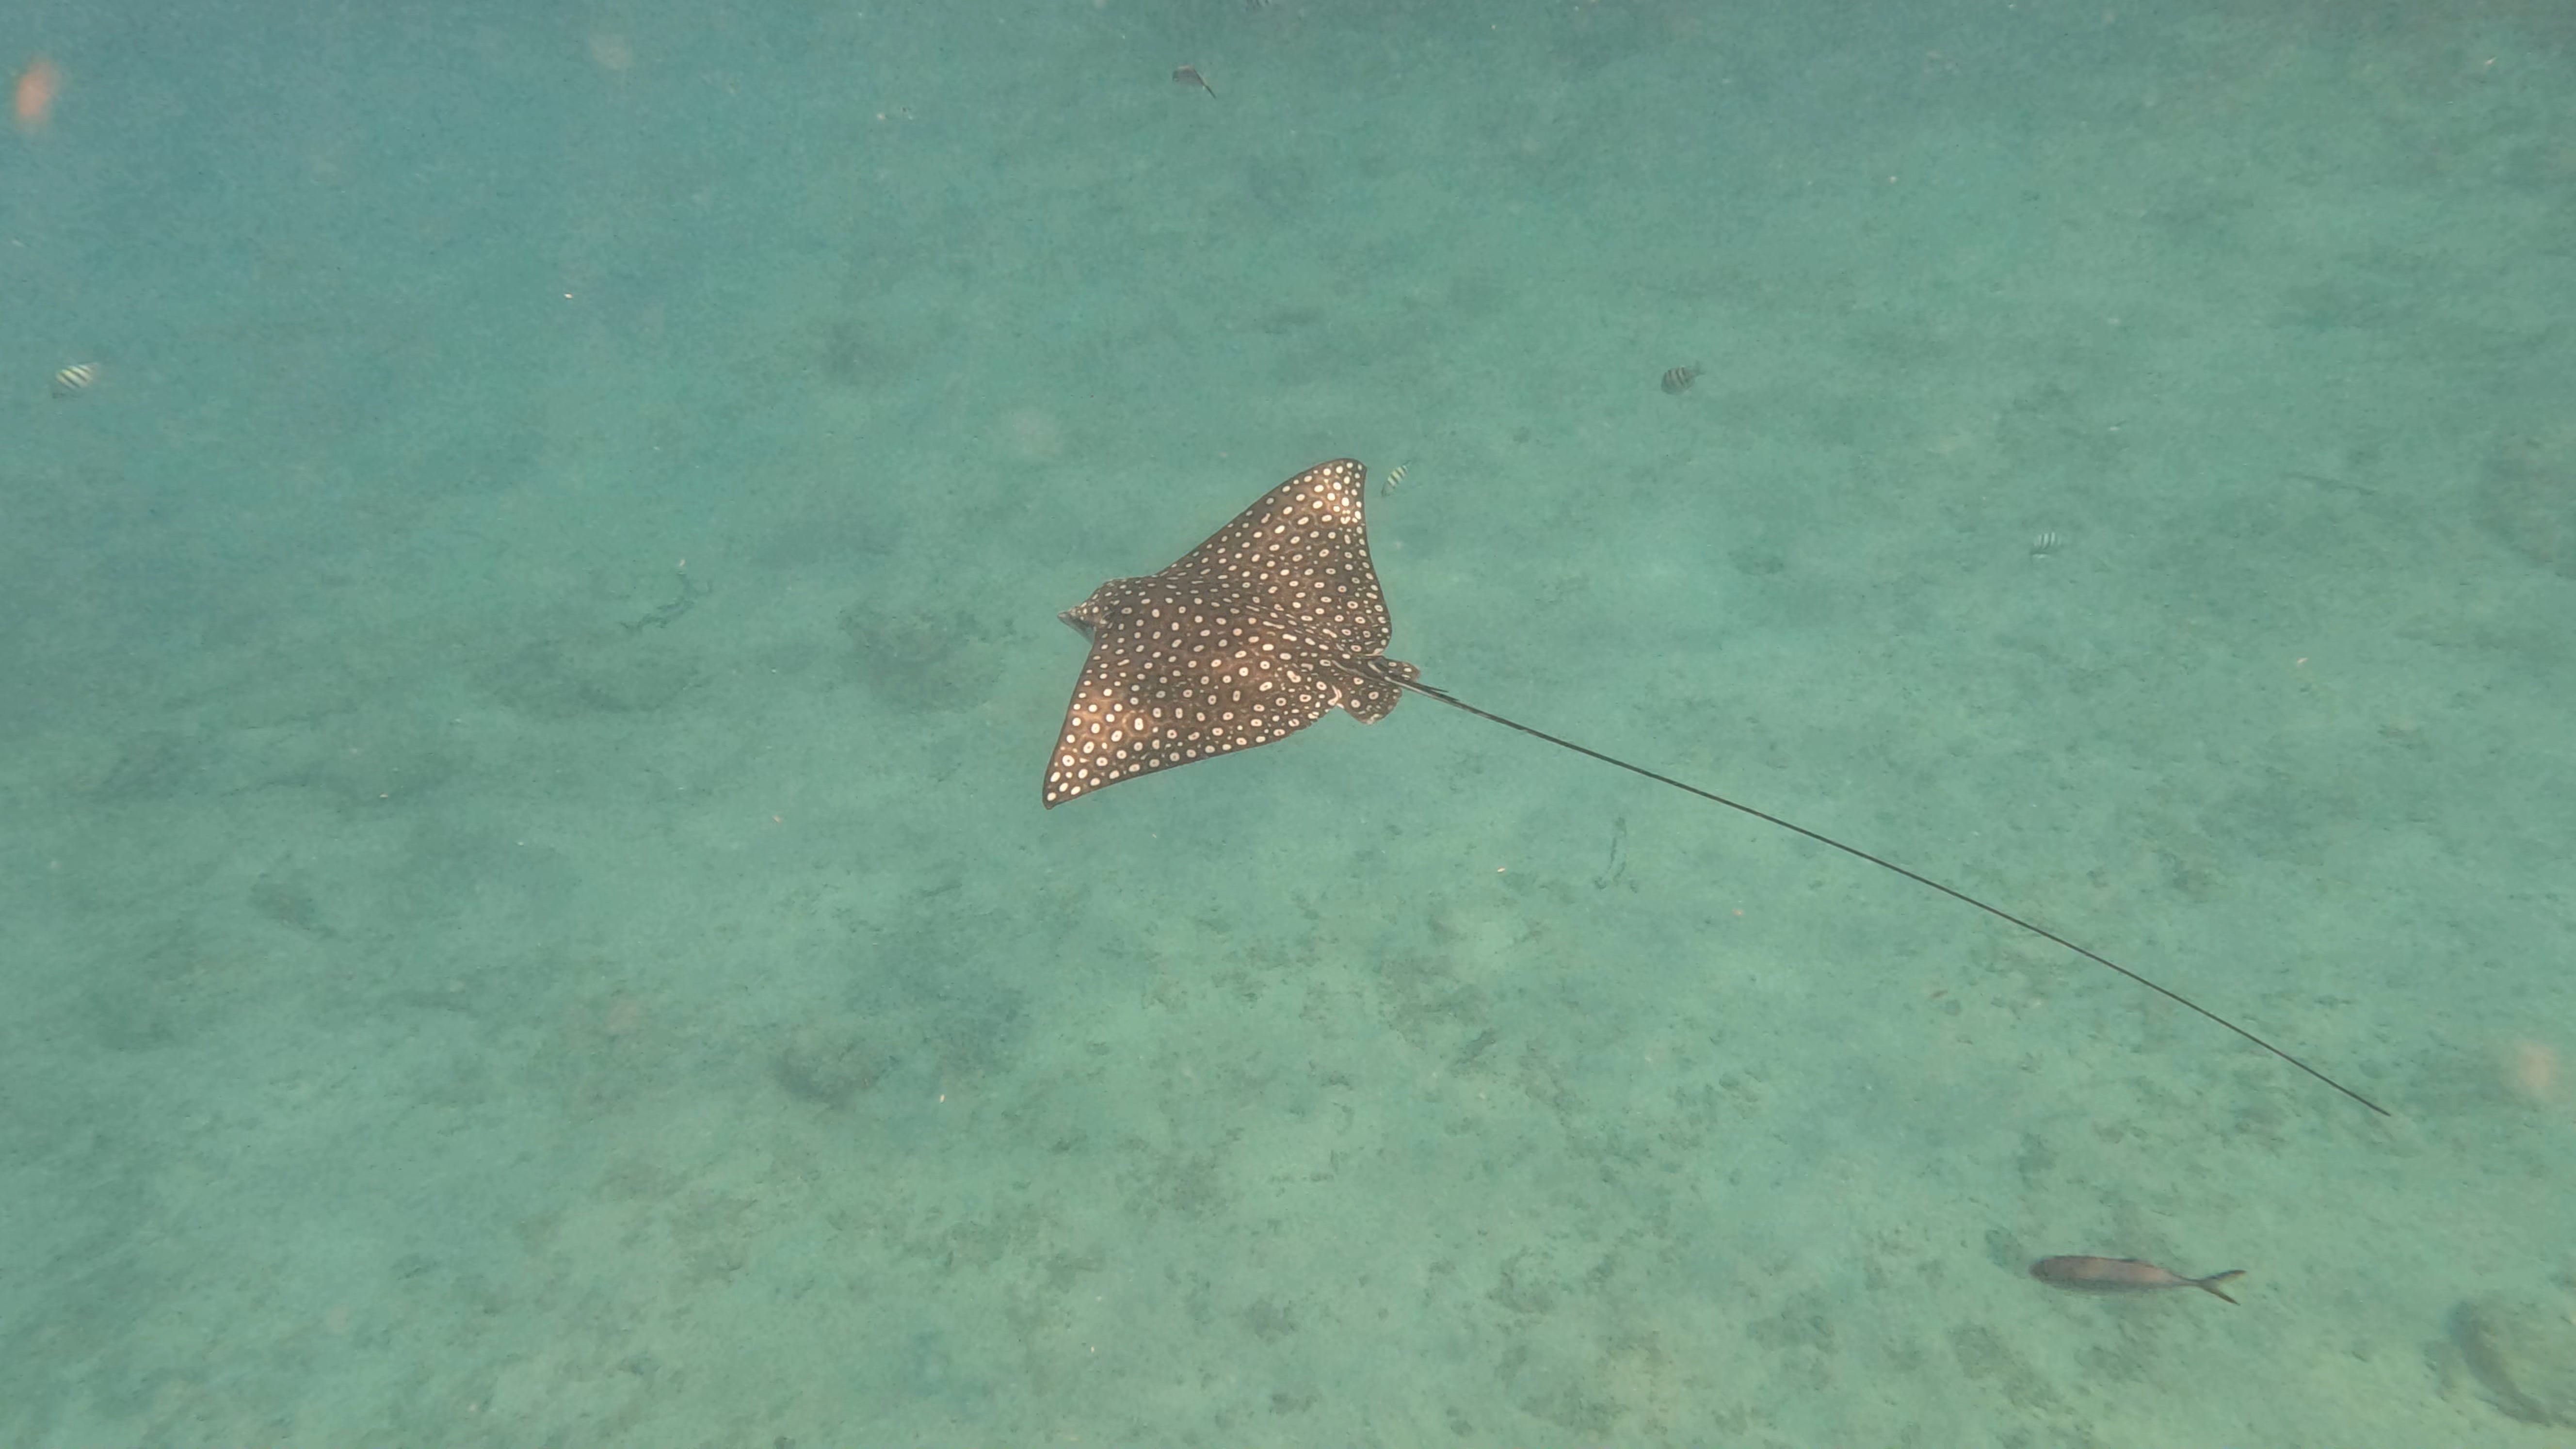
(2123, 1275)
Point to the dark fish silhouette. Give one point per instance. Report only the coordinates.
(2123, 1275)
(1276, 620)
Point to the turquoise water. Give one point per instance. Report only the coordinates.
(528, 915)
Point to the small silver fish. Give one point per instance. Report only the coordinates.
(2122, 1275)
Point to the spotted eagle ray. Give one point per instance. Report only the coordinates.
(1276, 620)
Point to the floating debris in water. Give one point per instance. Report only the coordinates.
(33, 98)
(75, 378)
(1188, 75)
(1678, 380)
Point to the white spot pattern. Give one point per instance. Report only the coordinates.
(1252, 636)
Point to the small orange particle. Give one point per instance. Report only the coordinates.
(33, 101)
